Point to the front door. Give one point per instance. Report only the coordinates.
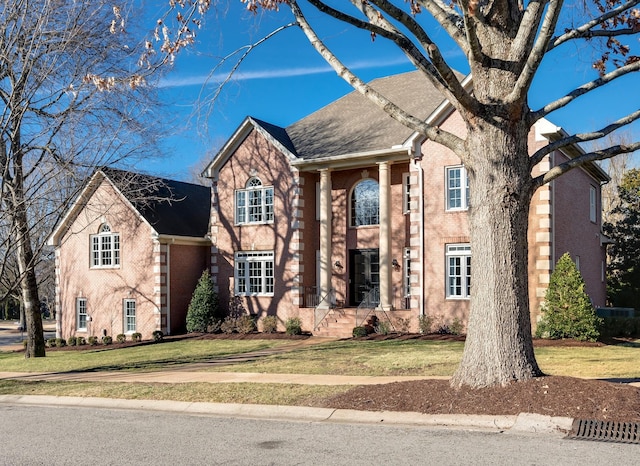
(364, 274)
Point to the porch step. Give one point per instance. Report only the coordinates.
(338, 323)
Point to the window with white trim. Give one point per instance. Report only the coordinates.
(457, 188)
(592, 204)
(254, 204)
(81, 314)
(254, 273)
(129, 313)
(406, 193)
(105, 248)
(365, 203)
(458, 260)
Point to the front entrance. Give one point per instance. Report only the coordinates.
(364, 275)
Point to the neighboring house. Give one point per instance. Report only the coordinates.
(129, 253)
(346, 213)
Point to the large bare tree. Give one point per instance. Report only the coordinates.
(504, 42)
(69, 101)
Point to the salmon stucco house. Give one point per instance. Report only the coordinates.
(129, 253)
(347, 213)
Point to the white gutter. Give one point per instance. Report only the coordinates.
(355, 159)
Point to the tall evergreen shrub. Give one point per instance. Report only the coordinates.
(567, 311)
(203, 308)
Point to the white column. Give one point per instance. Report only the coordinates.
(386, 290)
(325, 237)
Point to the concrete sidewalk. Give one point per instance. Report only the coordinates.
(182, 376)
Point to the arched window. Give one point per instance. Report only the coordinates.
(105, 248)
(254, 204)
(365, 204)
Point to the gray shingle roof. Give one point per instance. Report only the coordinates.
(171, 207)
(354, 124)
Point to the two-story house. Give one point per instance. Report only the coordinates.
(340, 215)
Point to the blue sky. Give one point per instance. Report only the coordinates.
(284, 79)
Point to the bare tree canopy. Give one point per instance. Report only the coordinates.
(56, 124)
(505, 43)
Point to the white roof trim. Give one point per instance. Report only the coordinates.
(238, 137)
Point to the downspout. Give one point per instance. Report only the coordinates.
(418, 165)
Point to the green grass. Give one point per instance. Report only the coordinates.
(389, 357)
(269, 394)
(619, 361)
(154, 356)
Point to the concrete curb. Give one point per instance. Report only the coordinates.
(524, 422)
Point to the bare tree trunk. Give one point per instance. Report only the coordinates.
(499, 347)
(26, 266)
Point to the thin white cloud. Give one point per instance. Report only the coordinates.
(272, 73)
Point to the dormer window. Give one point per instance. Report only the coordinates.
(254, 204)
(105, 248)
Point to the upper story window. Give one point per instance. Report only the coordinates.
(365, 204)
(254, 204)
(593, 213)
(105, 248)
(406, 193)
(457, 188)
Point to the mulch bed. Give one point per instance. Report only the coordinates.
(551, 396)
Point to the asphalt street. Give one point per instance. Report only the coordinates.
(66, 435)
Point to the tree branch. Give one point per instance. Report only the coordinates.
(582, 90)
(526, 35)
(584, 31)
(604, 154)
(431, 132)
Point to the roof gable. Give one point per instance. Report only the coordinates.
(170, 207)
(354, 124)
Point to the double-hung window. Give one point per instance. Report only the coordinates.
(129, 315)
(254, 204)
(105, 248)
(254, 273)
(592, 204)
(81, 314)
(458, 261)
(457, 188)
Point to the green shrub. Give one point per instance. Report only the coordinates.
(81, 341)
(72, 341)
(270, 324)
(383, 327)
(107, 340)
(136, 336)
(61, 342)
(403, 325)
(293, 326)
(456, 327)
(229, 325)
(121, 338)
(92, 340)
(359, 331)
(425, 323)
(567, 311)
(203, 307)
(246, 324)
(157, 335)
(626, 327)
(51, 342)
(214, 327)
